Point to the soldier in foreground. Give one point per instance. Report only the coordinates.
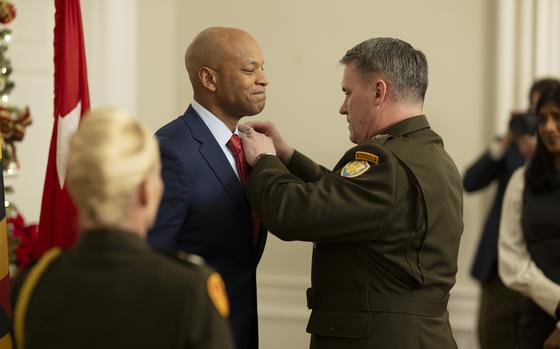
(111, 290)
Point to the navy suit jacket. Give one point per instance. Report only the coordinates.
(205, 211)
(483, 172)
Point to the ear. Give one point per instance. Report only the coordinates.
(143, 192)
(379, 92)
(207, 78)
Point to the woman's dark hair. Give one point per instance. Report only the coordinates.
(541, 174)
(543, 85)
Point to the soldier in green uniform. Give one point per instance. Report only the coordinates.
(111, 290)
(385, 222)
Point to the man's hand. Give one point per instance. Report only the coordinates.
(255, 144)
(553, 341)
(283, 149)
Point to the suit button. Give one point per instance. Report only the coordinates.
(253, 313)
(331, 329)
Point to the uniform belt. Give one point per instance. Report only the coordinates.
(368, 301)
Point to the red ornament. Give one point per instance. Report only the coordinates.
(7, 12)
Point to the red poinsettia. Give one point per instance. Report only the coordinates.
(25, 237)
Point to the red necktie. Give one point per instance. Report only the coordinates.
(243, 169)
(234, 144)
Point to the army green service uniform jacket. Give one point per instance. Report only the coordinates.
(386, 225)
(112, 291)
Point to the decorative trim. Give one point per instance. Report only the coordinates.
(26, 291)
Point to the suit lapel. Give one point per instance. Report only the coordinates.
(214, 156)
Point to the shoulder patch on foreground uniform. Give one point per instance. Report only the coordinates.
(369, 157)
(217, 293)
(355, 168)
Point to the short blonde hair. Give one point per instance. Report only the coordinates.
(110, 155)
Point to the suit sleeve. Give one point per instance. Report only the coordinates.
(174, 204)
(484, 170)
(332, 208)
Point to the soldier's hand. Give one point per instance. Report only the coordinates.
(283, 149)
(553, 341)
(255, 144)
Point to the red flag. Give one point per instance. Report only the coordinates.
(58, 222)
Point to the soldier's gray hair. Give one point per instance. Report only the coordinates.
(403, 67)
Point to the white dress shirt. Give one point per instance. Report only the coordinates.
(219, 130)
(516, 268)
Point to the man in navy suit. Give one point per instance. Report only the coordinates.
(498, 311)
(204, 209)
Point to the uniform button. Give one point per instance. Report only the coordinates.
(314, 245)
(253, 313)
(331, 329)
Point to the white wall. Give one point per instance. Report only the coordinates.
(31, 54)
(135, 57)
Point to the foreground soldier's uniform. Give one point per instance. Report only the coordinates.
(386, 225)
(112, 291)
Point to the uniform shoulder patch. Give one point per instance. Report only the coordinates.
(217, 293)
(369, 157)
(355, 168)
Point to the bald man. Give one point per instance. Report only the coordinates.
(204, 209)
